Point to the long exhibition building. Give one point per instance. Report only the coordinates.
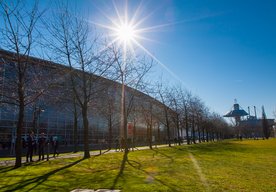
(50, 106)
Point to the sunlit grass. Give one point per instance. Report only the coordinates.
(247, 165)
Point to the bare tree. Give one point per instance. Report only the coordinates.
(131, 72)
(79, 48)
(185, 98)
(108, 108)
(19, 34)
(175, 102)
(162, 94)
(200, 109)
(147, 112)
(203, 121)
(266, 128)
(216, 127)
(193, 111)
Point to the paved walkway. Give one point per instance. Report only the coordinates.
(71, 155)
(91, 190)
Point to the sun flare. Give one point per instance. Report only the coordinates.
(127, 30)
(125, 33)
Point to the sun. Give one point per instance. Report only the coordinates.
(127, 30)
(125, 33)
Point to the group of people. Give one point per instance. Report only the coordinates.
(32, 144)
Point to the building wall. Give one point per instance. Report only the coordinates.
(57, 117)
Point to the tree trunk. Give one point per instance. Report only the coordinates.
(150, 130)
(203, 135)
(178, 129)
(134, 134)
(187, 126)
(85, 132)
(168, 128)
(18, 150)
(187, 134)
(124, 118)
(75, 128)
(109, 132)
(213, 136)
(199, 134)
(158, 134)
(75, 132)
(150, 136)
(193, 130)
(18, 147)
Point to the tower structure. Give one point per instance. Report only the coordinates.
(236, 112)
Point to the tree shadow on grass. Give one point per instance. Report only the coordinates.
(137, 165)
(6, 169)
(123, 164)
(37, 180)
(102, 152)
(165, 155)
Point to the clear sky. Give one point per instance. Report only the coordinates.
(221, 50)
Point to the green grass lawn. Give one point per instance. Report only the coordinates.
(248, 165)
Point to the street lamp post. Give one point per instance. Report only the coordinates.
(36, 115)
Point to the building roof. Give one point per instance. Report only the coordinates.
(236, 113)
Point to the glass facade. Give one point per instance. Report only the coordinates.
(52, 112)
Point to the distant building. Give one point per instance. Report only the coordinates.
(247, 125)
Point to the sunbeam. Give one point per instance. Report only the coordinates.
(126, 31)
(159, 62)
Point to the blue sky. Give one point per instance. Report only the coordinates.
(229, 53)
(220, 50)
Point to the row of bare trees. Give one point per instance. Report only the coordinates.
(69, 39)
(172, 110)
(186, 117)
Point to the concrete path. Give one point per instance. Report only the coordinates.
(70, 155)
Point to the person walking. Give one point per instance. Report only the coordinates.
(12, 145)
(55, 146)
(117, 145)
(30, 145)
(41, 146)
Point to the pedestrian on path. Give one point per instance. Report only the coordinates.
(30, 145)
(41, 146)
(55, 146)
(12, 145)
(117, 145)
